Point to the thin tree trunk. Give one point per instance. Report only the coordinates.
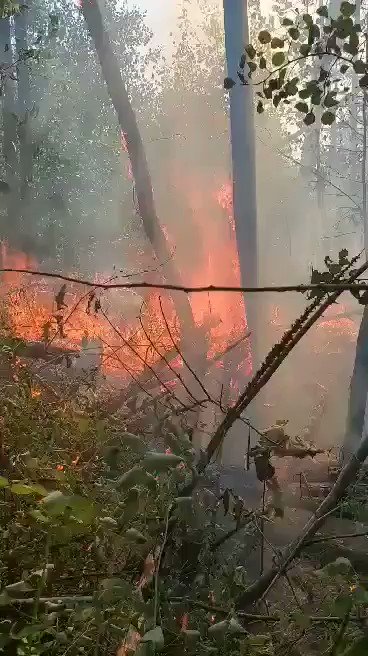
(359, 380)
(9, 232)
(24, 133)
(129, 127)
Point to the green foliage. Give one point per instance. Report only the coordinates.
(319, 44)
(92, 558)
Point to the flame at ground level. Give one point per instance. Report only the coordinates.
(127, 347)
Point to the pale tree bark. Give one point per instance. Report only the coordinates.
(128, 124)
(9, 141)
(193, 340)
(359, 380)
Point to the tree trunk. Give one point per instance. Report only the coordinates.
(129, 127)
(359, 380)
(358, 390)
(24, 130)
(9, 231)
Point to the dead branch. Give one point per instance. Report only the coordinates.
(347, 475)
(272, 362)
(187, 289)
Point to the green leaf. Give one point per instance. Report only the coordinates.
(277, 43)
(218, 630)
(278, 58)
(264, 37)
(294, 33)
(302, 107)
(19, 587)
(302, 620)
(21, 489)
(322, 11)
(308, 20)
(359, 648)
(347, 9)
(363, 82)
(250, 50)
(287, 21)
(53, 497)
(328, 118)
(133, 442)
(235, 626)
(360, 67)
(134, 535)
(109, 522)
(309, 118)
(136, 476)
(191, 636)
(5, 599)
(330, 99)
(229, 83)
(344, 68)
(304, 49)
(260, 107)
(262, 63)
(3, 482)
(161, 462)
(156, 637)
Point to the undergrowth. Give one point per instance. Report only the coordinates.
(101, 554)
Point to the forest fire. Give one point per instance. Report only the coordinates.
(128, 347)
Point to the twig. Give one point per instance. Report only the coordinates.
(187, 289)
(188, 366)
(331, 538)
(272, 362)
(158, 564)
(341, 632)
(254, 617)
(347, 475)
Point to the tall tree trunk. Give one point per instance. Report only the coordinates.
(10, 229)
(193, 340)
(24, 129)
(129, 127)
(359, 381)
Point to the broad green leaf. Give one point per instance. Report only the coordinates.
(277, 43)
(322, 11)
(302, 620)
(160, 462)
(278, 58)
(236, 627)
(294, 33)
(191, 636)
(363, 82)
(5, 599)
(39, 516)
(184, 506)
(347, 9)
(360, 67)
(53, 497)
(287, 21)
(135, 536)
(156, 637)
(21, 489)
(14, 589)
(3, 482)
(133, 442)
(109, 522)
(135, 476)
(308, 20)
(309, 118)
(219, 629)
(327, 118)
(359, 648)
(302, 107)
(264, 37)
